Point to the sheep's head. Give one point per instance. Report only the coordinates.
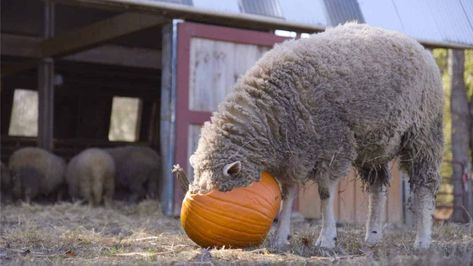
(224, 178)
(220, 163)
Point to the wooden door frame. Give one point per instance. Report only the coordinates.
(184, 116)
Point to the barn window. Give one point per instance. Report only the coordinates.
(285, 33)
(24, 115)
(125, 119)
(305, 35)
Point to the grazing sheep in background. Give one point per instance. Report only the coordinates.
(5, 183)
(90, 175)
(137, 171)
(311, 109)
(36, 172)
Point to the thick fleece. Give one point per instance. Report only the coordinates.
(137, 171)
(35, 172)
(311, 108)
(90, 176)
(5, 183)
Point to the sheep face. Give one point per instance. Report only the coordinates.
(222, 161)
(221, 176)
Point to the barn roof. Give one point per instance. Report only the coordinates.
(432, 22)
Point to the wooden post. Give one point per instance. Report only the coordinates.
(46, 86)
(168, 116)
(460, 134)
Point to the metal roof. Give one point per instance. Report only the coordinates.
(341, 11)
(435, 21)
(261, 7)
(314, 11)
(447, 23)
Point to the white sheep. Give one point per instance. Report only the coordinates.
(36, 172)
(90, 175)
(311, 109)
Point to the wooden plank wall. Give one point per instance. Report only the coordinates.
(351, 202)
(215, 66)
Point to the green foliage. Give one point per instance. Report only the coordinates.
(441, 57)
(469, 73)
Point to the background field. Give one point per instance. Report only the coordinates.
(139, 235)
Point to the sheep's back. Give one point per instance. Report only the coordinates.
(375, 80)
(50, 166)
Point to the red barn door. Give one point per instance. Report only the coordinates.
(210, 59)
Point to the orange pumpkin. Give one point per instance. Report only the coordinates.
(238, 218)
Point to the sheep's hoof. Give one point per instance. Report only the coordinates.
(373, 238)
(280, 243)
(421, 244)
(326, 242)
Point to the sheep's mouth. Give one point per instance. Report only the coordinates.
(224, 186)
(231, 184)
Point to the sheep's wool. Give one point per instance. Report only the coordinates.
(354, 95)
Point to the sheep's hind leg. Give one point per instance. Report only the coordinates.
(421, 158)
(328, 234)
(424, 179)
(284, 221)
(137, 192)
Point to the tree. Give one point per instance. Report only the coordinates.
(461, 132)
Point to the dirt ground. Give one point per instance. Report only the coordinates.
(72, 234)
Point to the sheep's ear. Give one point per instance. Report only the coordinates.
(191, 160)
(232, 169)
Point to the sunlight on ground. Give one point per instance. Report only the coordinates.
(68, 233)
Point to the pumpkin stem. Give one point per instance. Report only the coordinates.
(181, 177)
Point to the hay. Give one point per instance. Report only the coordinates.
(139, 234)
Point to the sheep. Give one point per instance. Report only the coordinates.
(310, 109)
(138, 171)
(36, 172)
(5, 183)
(90, 175)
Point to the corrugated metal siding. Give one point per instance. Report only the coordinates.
(451, 20)
(468, 8)
(269, 8)
(341, 11)
(181, 2)
(435, 21)
(229, 6)
(303, 11)
(388, 18)
(417, 20)
(426, 20)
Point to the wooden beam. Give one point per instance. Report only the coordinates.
(28, 47)
(84, 38)
(98, 33)
(46, 103)
(46, 84)
(20, 45)
(119, 56)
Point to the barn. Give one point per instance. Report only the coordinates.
(105, 73)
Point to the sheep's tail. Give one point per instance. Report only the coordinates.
(181, 177)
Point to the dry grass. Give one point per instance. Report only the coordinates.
(139, 235)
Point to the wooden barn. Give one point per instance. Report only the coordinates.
(164, 65)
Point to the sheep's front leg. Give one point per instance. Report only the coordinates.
(328, 234)
(424, 205)
(284, 221)
(376, 205)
